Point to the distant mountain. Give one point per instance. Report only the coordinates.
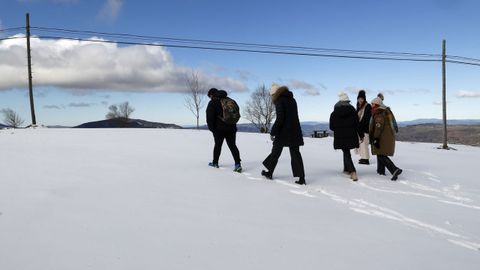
(439, 121)
(130, 123)
(3, 126)
(309, 127)
(433, 133)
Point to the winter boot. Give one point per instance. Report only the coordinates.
(267, 174)
(353, 176)
(238, 168)
(301, 181)
(396, 174)
(364, 161)
(212, 164)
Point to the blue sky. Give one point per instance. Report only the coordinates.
(413, 90)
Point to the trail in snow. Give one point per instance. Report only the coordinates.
(362, 206)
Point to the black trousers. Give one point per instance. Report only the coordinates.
(347, 161)
(385, 161)
(296, 160)
(230, 138)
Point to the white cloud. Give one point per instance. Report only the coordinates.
(82, 66)
(468, 94)
(353, 90)
(80, 104)
(111, 9)
(309, 89)
(53, 107)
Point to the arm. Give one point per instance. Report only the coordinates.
(279, 121)
(331, 123)
(357, 127)
(211, 118)
(394, 121)
(367, 115)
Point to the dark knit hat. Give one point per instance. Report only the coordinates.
(361, 94)
(212, 91)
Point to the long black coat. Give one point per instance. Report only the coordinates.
(287, 129)
(215, 112)
(344, 124)
(364, 123)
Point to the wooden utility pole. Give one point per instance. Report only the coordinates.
(444, 94)
(30, 85)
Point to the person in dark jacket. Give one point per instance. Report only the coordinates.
(285, 132)
(221, 130)
(364, 112)
(382, 133)
(346, 133)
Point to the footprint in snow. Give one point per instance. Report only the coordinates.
(287, 183)
(303, 193)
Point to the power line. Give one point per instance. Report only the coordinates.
(228, 43)
(462, 62)
(463, 58)
(11, 29)
(245, 50)
(285, 49)
(10, 38)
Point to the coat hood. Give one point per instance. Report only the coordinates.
(343, 108)
(221, 94)
(283, 91)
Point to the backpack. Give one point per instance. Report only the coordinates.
(231, 111)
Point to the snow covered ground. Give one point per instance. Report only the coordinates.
(145, 199)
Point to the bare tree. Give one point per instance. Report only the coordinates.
(260, 109)
(123, 111)
(11, 118)
(112, 112)
(195, 97)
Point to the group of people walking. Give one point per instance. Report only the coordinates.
(368, 125)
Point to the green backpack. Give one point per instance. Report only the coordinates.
(231, 111)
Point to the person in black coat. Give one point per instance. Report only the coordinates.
(344, 124)
(285, 132)
(364, 112)
(221, 130)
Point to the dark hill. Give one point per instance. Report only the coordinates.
(123, 123)
(432, 133)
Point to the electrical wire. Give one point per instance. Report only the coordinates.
(463, 58)
(229, 44)
(10, 38)
(244, 50)
(462, 62)
(11, 29)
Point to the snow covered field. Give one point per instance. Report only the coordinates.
(145, 199)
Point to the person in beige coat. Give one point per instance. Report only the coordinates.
(364, 112)
(382, 138)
